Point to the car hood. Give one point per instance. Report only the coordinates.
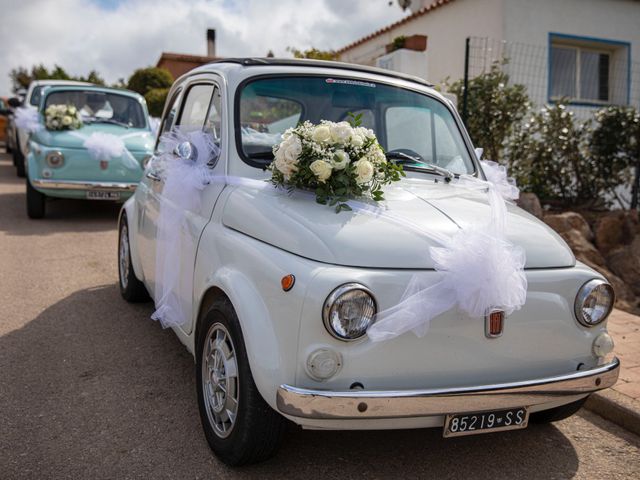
(394, 239)
(135, 139)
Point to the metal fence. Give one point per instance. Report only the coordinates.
(615, 78)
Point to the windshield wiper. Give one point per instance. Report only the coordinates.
(105, 120)
(419, 164)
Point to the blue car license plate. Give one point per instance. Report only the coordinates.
(483, 422)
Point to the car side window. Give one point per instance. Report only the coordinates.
(169, 118)
(196, 106)
(213, 124)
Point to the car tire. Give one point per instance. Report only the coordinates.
(18, 161)
(35, 202)
(131, 289)
(558, 413)
(240, 427)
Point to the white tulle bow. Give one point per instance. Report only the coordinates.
(27, 119)
(480, 269)
(103, 146)
(184, 179)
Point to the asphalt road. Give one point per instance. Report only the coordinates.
(91, 388)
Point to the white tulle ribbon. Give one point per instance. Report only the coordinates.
(27, 119)
(479, 268)
(184, 179)
(106, 146)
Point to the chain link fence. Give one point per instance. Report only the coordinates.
(589, 78)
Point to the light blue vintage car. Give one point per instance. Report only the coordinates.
(101, 160)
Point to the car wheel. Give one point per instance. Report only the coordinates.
(131, 289)
(18, 161)
(35, 202)
(558, 413)
(240, 427)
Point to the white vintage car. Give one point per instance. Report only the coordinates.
(284, 289)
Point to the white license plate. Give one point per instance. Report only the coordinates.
(456, 425)
(98, 195)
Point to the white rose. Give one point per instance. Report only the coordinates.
(341, 132)
(66, 120)
(357, 140)
(285, 167)
(364, 171)
(321, 134)
(72, 110)
(291, 148)
(321, 169)
(54, 123)
(340, 160)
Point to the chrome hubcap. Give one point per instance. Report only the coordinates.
(124, 256)
(220, 385)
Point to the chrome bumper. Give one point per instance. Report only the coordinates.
(81, 185)
(363, 404)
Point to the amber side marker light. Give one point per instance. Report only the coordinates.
(494, 323)
(287, 282)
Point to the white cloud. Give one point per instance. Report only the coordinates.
(82, 35)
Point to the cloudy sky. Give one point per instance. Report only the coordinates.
(115, 37)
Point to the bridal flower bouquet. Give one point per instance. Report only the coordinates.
(337, 160)
(62, 117)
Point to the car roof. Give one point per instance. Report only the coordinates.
(96, 88)
(304, 62)
(37, 83)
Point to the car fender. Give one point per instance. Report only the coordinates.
(132, 216)
(261, 341)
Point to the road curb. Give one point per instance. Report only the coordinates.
(617, 408)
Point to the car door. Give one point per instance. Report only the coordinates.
(147, 197)
(201, 108)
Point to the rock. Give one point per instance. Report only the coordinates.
(582, 248)
(615, 229)
(530, 203)
(626, 265)
(563, 222)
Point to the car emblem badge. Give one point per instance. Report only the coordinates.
(104, 164)
(494, 323)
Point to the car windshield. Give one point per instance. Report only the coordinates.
(101, 107)
(414, 129)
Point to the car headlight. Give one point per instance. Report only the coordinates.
(594, 302)
(54, 159)
(349, 311)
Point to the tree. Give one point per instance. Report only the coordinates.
(155, 100)
(22, 77)
(494, 108)
(145, 79)
(314, 53)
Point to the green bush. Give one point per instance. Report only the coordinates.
(494, 108)
(570, 163)
(145, 79)
(615, 144)
(155, 101)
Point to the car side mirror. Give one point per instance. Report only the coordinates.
(15, 102)
(186, 151)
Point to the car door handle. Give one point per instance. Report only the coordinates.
(153, 176)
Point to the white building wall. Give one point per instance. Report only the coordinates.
(446, 27)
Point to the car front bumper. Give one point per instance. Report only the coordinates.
(122, 187)
(375, 404)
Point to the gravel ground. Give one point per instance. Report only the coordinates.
(90, 387)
